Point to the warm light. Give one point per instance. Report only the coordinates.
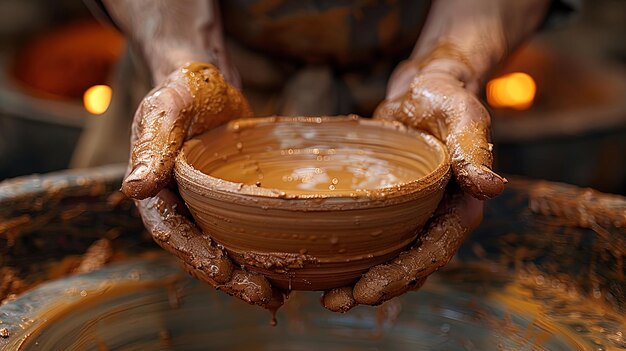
(514, 90)
(97, 98)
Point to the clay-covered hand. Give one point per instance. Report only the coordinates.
(191, 100)
(460, 44)
(438, 102)
(457, 215)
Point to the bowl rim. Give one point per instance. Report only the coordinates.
(187, 175)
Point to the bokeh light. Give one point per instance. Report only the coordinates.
(515, 90)
(97, 99)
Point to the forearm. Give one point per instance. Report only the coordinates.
(170, 34)
(469, 38)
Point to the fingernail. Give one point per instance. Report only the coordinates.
(493, 183)
(493, 174)
(138, 173)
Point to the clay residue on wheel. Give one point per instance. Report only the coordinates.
(97, 255)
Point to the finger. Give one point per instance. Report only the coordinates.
(456, 217)
(251, 288)
(192, 100)
(339, 300)
(166, 219)
(468, 127)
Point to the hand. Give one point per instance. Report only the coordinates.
(438, 102)
(461, 42)
(191, 100)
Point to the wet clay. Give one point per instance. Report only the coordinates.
(191, 100)
(312, 202)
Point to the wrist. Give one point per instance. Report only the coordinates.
(452, 60)
(470, 38)
(164, 58)
(445, 61)
(177, 32)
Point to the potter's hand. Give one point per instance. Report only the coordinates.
(455, 217)
(188, 100)
(435, 90)
(438, 103)
(191, 100)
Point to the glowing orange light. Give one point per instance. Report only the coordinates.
(97, 99)
(514, 90)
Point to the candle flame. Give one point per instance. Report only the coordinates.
(515, 90)
(97, 99)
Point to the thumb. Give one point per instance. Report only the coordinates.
(470, 151)
(439, 104)
(191, 100)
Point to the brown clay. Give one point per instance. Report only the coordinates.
(312, 202)
(586, 208)
(191, 100)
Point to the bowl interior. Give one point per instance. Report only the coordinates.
(329, 156)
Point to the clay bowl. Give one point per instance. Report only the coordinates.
(312, 202)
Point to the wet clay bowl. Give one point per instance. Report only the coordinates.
(312, 202)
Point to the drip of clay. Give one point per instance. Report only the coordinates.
(312, 202)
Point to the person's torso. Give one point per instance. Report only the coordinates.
(326, 31)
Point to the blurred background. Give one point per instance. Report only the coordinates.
(558, 105)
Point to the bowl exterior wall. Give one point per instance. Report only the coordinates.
(313, 249)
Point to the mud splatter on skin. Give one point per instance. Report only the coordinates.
(191, 100)
(439, 103)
